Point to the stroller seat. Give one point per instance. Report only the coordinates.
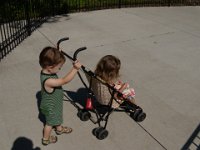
(102, 93)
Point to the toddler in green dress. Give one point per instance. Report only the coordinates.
(51, 61)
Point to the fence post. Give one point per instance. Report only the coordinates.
(119, 4)
(52, 8)
(169, 3)
(28, 21)
(1, 49)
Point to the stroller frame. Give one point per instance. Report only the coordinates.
(102, 112)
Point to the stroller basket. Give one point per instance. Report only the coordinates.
(93, 106)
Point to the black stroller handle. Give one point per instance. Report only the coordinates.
(67, 55)
(74, 59)
(61, 40)
(77, 51)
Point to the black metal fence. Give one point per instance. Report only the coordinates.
(19, 18)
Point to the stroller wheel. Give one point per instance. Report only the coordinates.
(101, 133)
(137, 115)
(95, 130)
(84, 115)
(141, 117)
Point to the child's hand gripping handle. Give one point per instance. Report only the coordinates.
(75, 56)
(77, 65)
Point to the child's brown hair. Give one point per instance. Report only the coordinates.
(108, 68)
(50, 56)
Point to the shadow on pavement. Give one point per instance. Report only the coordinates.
(79, 96)
(56, 19)
(193, 139)
(23, 143)
(41, 117)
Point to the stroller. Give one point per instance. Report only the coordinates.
(101, 112)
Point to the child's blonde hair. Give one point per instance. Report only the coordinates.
(108, 68)
(50, 56)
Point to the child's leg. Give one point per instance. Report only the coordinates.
(47, 137)
(47, 132)
(60, 130)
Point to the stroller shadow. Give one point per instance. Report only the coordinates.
(79, 96)
(23, 143)
(41, 117)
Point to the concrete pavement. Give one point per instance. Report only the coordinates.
(160, 53)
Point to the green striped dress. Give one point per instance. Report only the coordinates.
(52, 103)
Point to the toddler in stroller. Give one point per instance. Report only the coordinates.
(107, 70)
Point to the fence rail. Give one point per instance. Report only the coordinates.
(19, 18)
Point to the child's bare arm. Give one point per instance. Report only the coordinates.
(66, 79)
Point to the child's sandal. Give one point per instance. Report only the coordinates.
(66, 130)
(52, 139)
